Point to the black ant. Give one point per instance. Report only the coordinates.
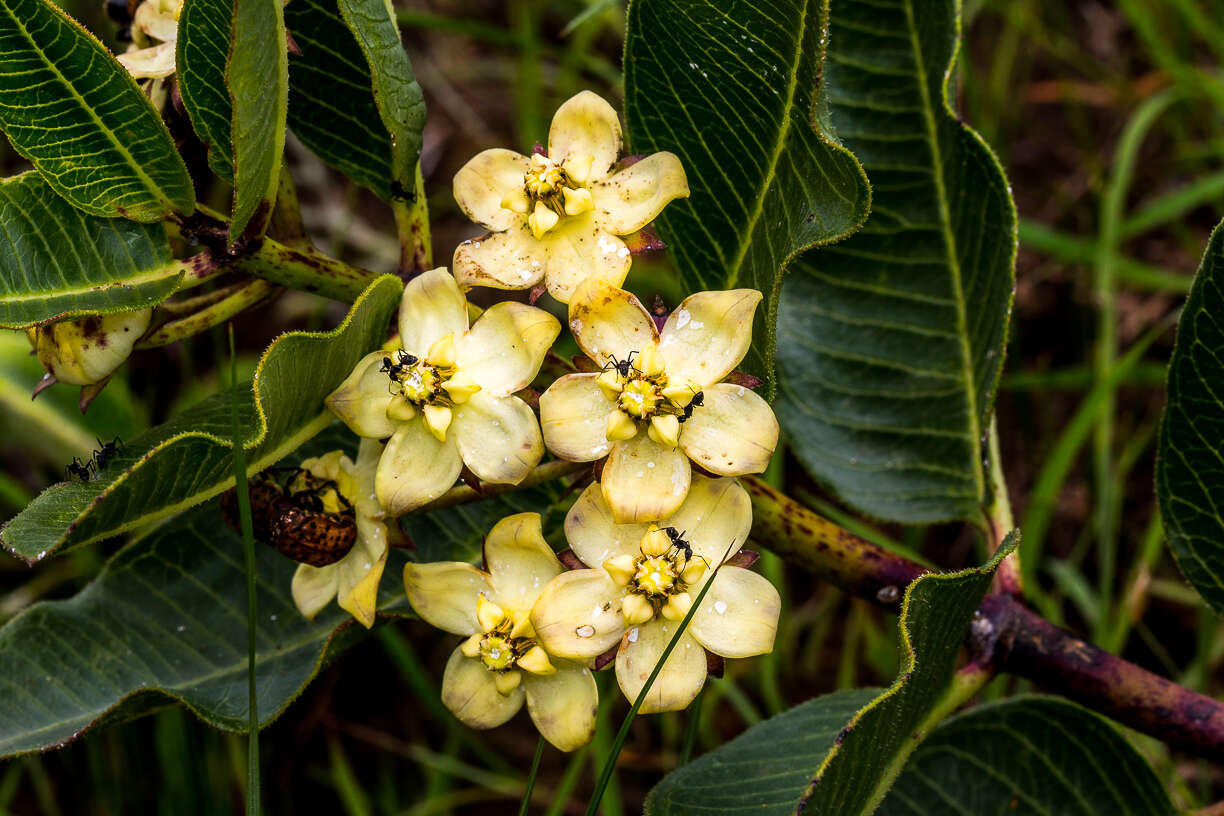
(680, 543)
(698, 399)
(394, 369)
(83, 471)
(105, 453)
(623, 367)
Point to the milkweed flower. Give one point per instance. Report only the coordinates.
(643, 580)
(154, 39)
(353, 580)
(659, 401)
(446, 399)
(557, 216)
(501, 663)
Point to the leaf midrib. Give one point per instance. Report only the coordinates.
(758, 208)
(949, 241)
(150, 185)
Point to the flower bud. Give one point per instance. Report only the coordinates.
(88, 350)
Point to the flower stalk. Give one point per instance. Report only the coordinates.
(412, 224)
(306, 269)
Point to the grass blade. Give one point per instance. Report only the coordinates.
(531, 778)
(248, 545)
(623, 734)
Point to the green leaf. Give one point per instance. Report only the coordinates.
(1190, 463)
(1027, 756)
(891, 342)
(333, 108)
(187, 460)
(79, 117)
(401, 105)
(763, 770)
(201, 54)
(735, 91)
(766, 770)
(258, 78)
(57, 262)
(166, 618)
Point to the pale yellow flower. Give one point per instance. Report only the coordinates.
(154, 39)
(643, 582)
(89, 349)
(445, 400)
(501, 664)
(353, 580)
(659, 401)
(556, 217)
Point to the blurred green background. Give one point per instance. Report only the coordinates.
(1107, 117)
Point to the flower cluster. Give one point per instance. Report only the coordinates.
(449, 398)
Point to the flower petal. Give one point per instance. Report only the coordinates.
(444, 594)
(643, 480)
(708, 334)
(739, 615)
(563, 705)
(498, 437)
(469, 690)
(432, 306)
(715, 518)
(629, 200)
(519, 561)
(578, 615)
(154, 62)
(573, 418)
(487, 182)
(361, 400)
(608, 321)
(577, 250)
(594, 535)
(585, 136)
(415, 468)
(360, 572)
(681, 678)
(503, 350)
(513, 259)
(313, 588)
(732, 433)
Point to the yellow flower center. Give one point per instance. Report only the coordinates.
(501, 653)
(551, 194)
(640, 397)
(421, 383)
(656, 576)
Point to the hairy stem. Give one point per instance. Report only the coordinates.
(306, 269)
(412, 224)
(287, 223)
(464, 494)
(1004, 636)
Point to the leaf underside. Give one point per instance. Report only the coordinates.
(401, 105)
(186, 461)
(79, 117)
(1027, 756)
(331, 104)
(730, 88)
(1190, 462)
(258, 78)
(201, 54)
(891, 342)
(57, 262)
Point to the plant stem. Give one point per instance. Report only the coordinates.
(306, 269)
(1001, 522)
(1005, 635)
(690, 728)
(241, 298)
(286, 222)
(412, 224)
